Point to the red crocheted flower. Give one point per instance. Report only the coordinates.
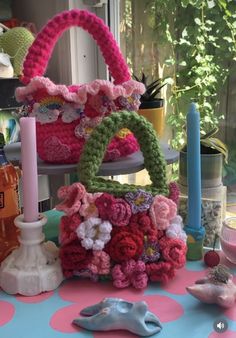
(160, 272)
(74, 257)
(67, 226)
(103, 203)
(130, 273)
(125, 244)
(142, 222)
(120, 212)
(174, 192)
(173, 250)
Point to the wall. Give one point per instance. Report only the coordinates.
(39, 12)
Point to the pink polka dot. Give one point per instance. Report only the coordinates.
(35, 299)
(182, 279)
(231, 313)
(7, 312)
(62, 319)
(226, 334)
(86, 292)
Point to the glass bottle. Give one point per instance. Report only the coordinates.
(9, 204)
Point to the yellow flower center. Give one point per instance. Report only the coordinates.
(139, 200)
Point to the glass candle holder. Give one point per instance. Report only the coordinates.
(228, 239)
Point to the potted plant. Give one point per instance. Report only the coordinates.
(152, 105)
(213, 151)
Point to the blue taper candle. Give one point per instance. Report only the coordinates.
(194, 229)
(193, 167)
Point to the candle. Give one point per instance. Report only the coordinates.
(29, 168)
(193, 168)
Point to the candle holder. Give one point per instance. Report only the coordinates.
(34, 267)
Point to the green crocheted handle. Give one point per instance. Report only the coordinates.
(94, 150)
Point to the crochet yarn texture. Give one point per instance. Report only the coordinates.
(36, 61)
(95, 148)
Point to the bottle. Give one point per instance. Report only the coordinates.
(9, 204)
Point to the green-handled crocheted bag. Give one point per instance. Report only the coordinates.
(125, 233)
(94, 151)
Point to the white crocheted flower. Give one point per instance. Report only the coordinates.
(175, 229)
(95, 233)
(71, 113)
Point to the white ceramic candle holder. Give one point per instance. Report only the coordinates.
(34, 267)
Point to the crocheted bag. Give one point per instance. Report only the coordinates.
(127, 233)
(66, 115)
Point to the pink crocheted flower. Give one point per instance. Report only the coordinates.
(173, 250)
(162, 211)
(139, 200)
(86, 126)
(100, 263)
(103, 203)
(130, 273)
(67, 228)
(174, 192)
(71, 196)
(129, 103)
(119, 213)
(88, 207)
(102, 104)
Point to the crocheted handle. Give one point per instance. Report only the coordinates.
(96, 145)
(40, 52)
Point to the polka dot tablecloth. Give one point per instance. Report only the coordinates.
(50, 314)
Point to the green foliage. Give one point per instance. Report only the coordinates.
(153, 88)
(201, 37)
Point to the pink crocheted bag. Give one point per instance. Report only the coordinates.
(66, 115)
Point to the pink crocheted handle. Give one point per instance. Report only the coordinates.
(40, 52)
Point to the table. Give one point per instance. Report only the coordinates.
(49, 315)
(60, 174)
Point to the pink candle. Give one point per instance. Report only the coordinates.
(29, 168)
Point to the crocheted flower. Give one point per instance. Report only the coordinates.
(160, 272)
(67, 228)
(130, 273)
(103, 203)
(122, 133)
(94, 233)
(125, 244)
(44, 114)
(70, 112)
(119, 213)
(175, 229)
(174, 192)
(173, 250)
(139, 201)
(86, 126)
(71, 196)
(162, 211)
(142, 222)
(74, 257)
(100, 263)
(102, 104)
(151, 252)
(88, 207)
(129, 103)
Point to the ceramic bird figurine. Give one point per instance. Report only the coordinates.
(118, 314)
(217, 288)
